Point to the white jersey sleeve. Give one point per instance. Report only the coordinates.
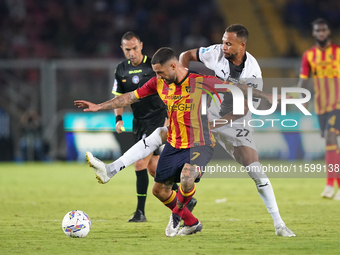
(211, 55)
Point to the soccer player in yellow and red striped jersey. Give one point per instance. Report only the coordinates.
(189, 144)
(322, 63)
(187, 127)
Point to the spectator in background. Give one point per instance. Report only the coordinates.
(32, 145)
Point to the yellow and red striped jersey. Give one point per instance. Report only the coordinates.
(187, 126)
(324, 67)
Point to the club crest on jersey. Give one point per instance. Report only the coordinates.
(135, 79)
(188, 89)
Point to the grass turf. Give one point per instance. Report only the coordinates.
(34, 197)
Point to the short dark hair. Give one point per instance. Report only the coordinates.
(163, 55)
(320, 21)
(129, 35)
(240, 30)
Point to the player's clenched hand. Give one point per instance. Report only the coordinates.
(89, 107)
(119, 126)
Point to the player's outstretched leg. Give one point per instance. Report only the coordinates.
(266, 193)
(145, 146)
(103, 175)
(139, 151)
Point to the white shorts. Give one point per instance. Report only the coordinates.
(236, 135)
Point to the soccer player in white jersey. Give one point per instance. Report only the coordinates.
(230, 61)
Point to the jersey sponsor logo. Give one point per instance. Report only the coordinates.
(135, 79)
(233, 80)
(328, 72)
(205, 50)
(252, 85)
(181, 107)
(135, 71)
(174, 97)
(237, 81)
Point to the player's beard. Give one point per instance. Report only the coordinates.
(323, 43)
(170, 80)
(230, 56)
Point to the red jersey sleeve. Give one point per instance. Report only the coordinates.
(149, 88)
(305, 67)
(209, 83)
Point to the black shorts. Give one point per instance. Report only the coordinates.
(172, 160)
(329, 121)
(144, 128)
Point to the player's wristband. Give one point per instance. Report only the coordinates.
(118, 118)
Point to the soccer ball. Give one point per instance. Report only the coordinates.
(76, 223)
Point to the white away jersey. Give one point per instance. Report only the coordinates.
(213, 58)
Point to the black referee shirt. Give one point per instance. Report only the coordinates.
(128, 78)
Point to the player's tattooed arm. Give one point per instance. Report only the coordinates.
(117, 102)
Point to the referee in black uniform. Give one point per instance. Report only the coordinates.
(149, 113)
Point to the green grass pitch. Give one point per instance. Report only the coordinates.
(34, 197)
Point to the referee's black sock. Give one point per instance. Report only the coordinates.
(174, 187)
(142, 184)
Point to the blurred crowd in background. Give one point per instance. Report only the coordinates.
(300, 13)
(93, 28)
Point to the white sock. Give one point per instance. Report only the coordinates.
(276, 218)
(143, 148)
(265, 191)
(114, 167)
